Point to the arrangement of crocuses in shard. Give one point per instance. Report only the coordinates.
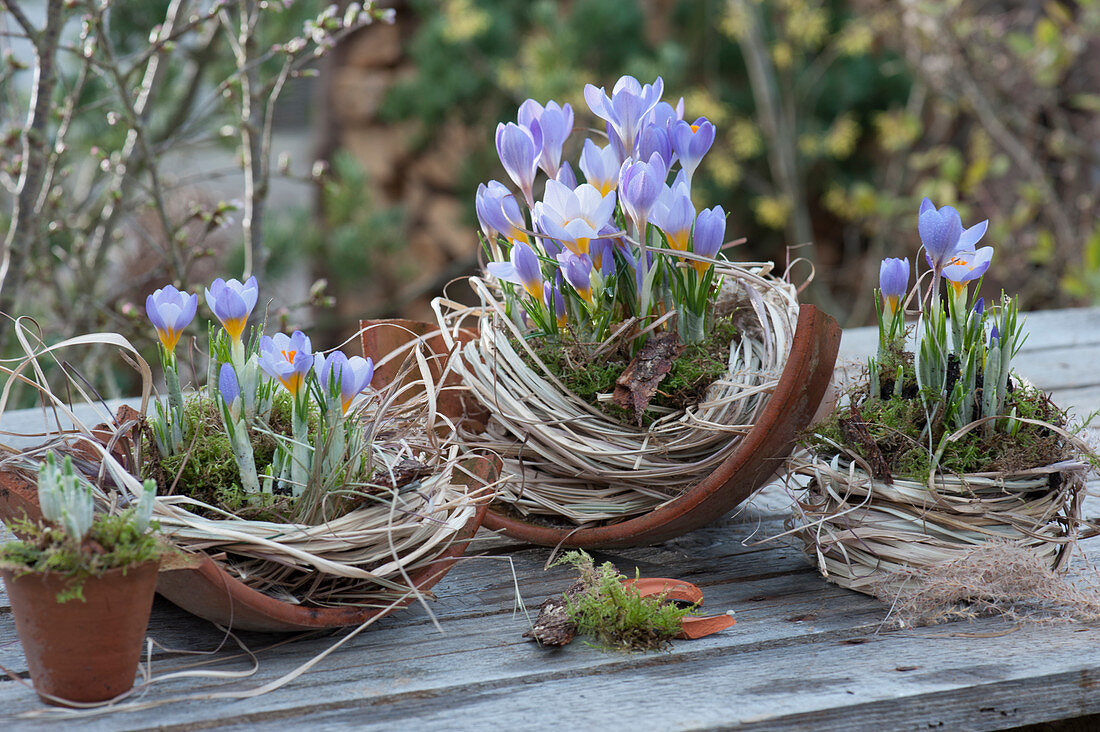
(244, 377)
(628, 241)
(964, 349)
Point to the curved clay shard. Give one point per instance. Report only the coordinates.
(699, 627)
(674, 589)
(679, 590)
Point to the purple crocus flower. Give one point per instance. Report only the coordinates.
(353, 375)
(994, 337)
(625, 109)
(600, 166)
(942, 234)
(555, 122)
(555, 303)
(616, 145)
(519, 148)
(574, 216)
(232, 303)
(965, 266)
(893, 282)
(602, 253)
(664, 114)
(170, 311)
(674, 214)
(654, 140)
(691, 143)
(499, 212)
(979, 307)
(566, 176)
(523, 269)
(228, 386)
(708, 236)
(640, 183)
(287, 358)
(578, 273)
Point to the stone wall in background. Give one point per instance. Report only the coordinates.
(440, 241)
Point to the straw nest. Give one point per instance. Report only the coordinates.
(875, 537)
(374, 534)
(363, 557)
(564, 460)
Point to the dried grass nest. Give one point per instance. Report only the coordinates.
(362, 557)
(878, 538)
(565, 462)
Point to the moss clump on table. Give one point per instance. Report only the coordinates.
(692, 373)
(900, 428)
(615, 615)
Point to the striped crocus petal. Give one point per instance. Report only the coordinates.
(228, 386)
(600, 166)
(522, 269)
(578, 273)
(170, 311)
(232, 303)
(691, 142)
(555, 123)
(967, 266)
(893, 282)
(708, 236)
(287, 358)
(674, 214)
(519, 147)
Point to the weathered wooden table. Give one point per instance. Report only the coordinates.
(803, 655)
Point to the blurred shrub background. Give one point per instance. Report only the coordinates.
(835, 117)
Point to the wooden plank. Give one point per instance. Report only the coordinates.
(885, 682)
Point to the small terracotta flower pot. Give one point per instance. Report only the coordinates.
(82, 651)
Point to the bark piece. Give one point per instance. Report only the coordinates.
(638, 383)
(553, 626)
(854, 431)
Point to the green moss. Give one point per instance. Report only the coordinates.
(900, 429)
(616, 616)
(206, 469)
(692, 373)
(112, 542)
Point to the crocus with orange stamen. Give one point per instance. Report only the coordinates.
(352, 375)
(287, 358)
(966, 266)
